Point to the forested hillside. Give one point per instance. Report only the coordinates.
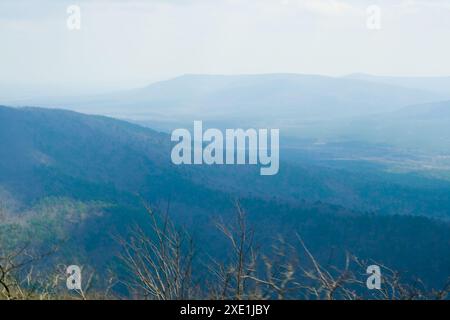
(79, 182)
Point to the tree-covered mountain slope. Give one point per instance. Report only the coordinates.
(80, 181)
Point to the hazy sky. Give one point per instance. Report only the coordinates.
(134, 42)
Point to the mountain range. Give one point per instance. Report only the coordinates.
(275, 100)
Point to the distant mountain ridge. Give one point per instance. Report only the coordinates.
(282, 100)
(432, 84)
(423, 127)
(436, 110)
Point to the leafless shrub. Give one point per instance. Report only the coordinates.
(18, 276)
(249, 273)
(160, 266)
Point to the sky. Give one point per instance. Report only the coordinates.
(130, 43)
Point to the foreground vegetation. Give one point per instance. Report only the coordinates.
(166, 266)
